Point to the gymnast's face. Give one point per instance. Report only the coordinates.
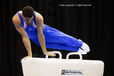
(28, 20)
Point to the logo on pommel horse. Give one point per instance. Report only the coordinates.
(72, 72)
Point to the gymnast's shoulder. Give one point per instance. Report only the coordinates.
(38, 16)
(16, 20)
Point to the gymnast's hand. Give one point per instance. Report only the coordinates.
(50, 54)
(25, 58)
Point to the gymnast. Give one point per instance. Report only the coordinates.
(30, 25)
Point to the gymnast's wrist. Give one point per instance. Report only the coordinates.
(45, 52)
(30, 55)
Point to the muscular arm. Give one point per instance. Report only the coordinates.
(23, 33)
(41, 37)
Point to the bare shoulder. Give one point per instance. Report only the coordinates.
(39, 17)
(17, 23)
(16, 20)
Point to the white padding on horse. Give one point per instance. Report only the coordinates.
(62, 67)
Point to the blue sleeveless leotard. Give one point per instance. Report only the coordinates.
(54, 39)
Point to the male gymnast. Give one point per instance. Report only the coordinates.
(30, 25)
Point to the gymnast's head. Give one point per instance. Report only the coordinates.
(28, 13)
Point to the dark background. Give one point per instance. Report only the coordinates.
(92, 24)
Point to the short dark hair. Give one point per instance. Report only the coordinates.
(28, 11)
